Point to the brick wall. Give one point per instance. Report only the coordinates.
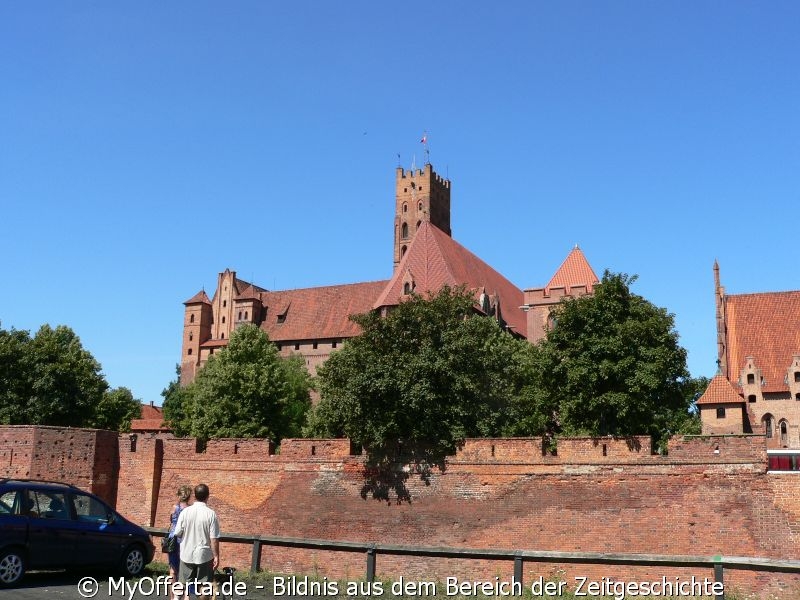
(708, 496)
(84, 457)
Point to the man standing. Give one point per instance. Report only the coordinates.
(198, 529)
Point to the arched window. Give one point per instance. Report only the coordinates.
(405, 207)
(245, 315)
(766, 420)
(419, 206)
(223, 319)
(403, 251)
(191, 336)
(784, 429)
(406, 288)
(240, 315)
(222, 336)
(191, 318)
(418, 224)
(404, 231)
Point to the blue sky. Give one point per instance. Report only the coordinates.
(147, 146)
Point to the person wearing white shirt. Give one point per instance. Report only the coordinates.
(198, 530)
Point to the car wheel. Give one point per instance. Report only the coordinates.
(133, 561)
(12, 567)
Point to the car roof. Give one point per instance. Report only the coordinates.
(37, 483)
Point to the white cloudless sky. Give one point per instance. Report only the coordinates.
(147, 146)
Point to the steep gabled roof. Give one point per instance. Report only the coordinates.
(434, 259)
(720, 391)
(317, 313)
(574, 271)
(765, 326)
(199, 298)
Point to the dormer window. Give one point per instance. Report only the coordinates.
(406, 288)
(751, 379)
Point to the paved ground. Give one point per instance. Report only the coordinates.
(80, 586)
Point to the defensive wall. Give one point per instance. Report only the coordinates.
(708, 496)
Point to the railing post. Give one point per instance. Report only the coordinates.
(255, 561)
(518, 568)
(719, 578)
(371, 551)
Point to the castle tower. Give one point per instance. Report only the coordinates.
(197, 321)
(420, 195)
(719, 302)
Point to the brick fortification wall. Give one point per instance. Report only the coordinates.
(708, 496)
(84, 457)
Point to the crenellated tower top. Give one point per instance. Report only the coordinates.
(420, 195)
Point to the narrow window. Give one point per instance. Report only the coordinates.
(418, 224)
(403, 251)
(315, 345)
(721, 412)
(222, 336)
(191, 336)
(313, 450)
(797, 397)
(492, 450)
(245, 315)
(223, 319)
(404, 230)
(240, 315)
(406, 288)
(751, 378)
(419, 206)
(784, 433)
(768, 426)
(191, 319)
(189, 352)
(797, 376)
(605, 450)
(297, 346)
(333, 344)
(224, 303)
(405, 207)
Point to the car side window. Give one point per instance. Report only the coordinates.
(50, 505)
(9, 503)
(89, 509)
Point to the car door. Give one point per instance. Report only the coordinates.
(100, 540)
(52, 532)
(13, 522)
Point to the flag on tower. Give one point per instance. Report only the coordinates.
(424, 139)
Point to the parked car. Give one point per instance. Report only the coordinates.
(51, 525)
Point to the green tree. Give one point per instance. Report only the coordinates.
(418, 381)
(612, 365)
(245, 390)
(14, 380)
(116, 410)
(59, 382)
(173, 405)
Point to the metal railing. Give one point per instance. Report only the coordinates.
(519, 557)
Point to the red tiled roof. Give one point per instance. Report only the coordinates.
(214, 343)
(150, 411)
(199, 297)
(434, 259)
(318, 313)
(720, 391)
(140, 425)
(574, 271)
(765, 326)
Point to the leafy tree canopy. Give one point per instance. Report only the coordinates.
(418, 381)
(50, 379)
(611, 364)
(116, 410)
(244, 390)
